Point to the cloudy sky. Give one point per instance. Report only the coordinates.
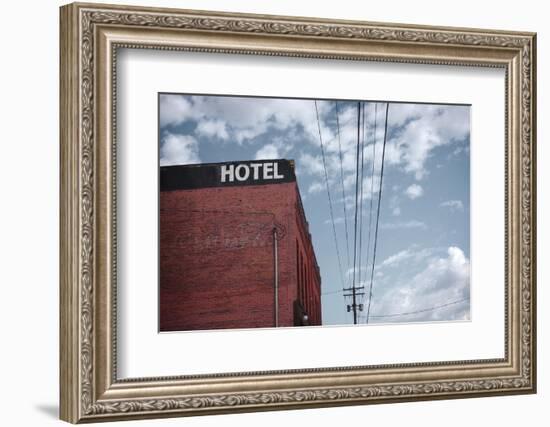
(422, 269)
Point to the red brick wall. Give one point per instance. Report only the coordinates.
(308, 274)
(216, 256)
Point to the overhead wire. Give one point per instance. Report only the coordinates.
(371, 198)
(332, 292)
(356, 211)
(361, 197)
(378, 212)
(328, 194)
(435, 307)
(361, 142)
(372, 181)
(344, 200)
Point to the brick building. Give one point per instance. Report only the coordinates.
(235, 250)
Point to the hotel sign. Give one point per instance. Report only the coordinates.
(206, 175)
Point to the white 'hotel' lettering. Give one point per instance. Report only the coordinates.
(255, 167)
(227, 172)
(276, 171)
(268, 171)
(242, 177)
(242, 172)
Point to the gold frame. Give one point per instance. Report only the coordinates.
(90, 36)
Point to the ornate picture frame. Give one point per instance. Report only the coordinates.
(91, 34)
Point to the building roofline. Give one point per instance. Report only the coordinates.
(226, 174)
(193, 165)
(302, 215)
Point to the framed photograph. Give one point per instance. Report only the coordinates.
(267, 212)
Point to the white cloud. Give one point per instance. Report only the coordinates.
(361, 268)
(267, 152)
(439, 291)
(369, 183)
(337, 220)
(453, 205)
(394, 202)
(459, 150)
(400, 114)
(411, 253)
(414, 191)
(415, 130)
(213, 128)
(246, 118)
(277, 148)
(178, 150)
(405, 224)
(315, 187)
(174, 109)
(397, 258)
(313, 165)
(422, 128)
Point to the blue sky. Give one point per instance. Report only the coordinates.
(422, 269)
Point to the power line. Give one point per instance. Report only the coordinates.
(332, 292)
(342, 179)
(354, 306)
(378, 212)
(372, 182)
(423, 310)
(361, 198)
(328, 193)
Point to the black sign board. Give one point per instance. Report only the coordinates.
(251, 172)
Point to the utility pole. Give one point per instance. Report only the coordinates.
(354, 306)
